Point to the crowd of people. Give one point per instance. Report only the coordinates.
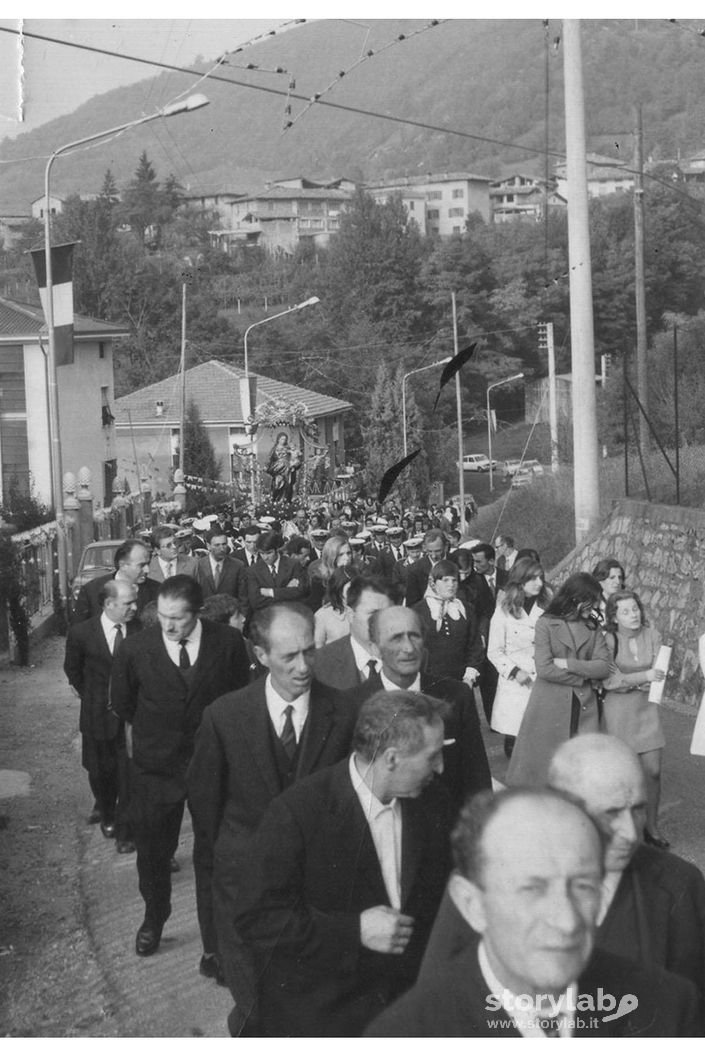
(314, 690)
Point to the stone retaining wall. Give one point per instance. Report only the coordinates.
(662, 549)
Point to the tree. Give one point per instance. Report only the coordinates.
(199, 455)
(383, 440)
(145, 206)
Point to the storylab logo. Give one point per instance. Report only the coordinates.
(572, 1006)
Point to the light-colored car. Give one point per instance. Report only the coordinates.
(534, 465)
(522, 477)
(478, 462)
(510, 467)
(513, 466)
(97, 560)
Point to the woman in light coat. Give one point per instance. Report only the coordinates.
(510, 647)
(571, 654)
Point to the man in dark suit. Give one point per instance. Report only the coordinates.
(348, 662)
(528, 882)
(218, 573)
(345, 873)
(242, 760)
(481, 590)
(132, 559)
(167, 561)
(435, 547)
(274, 577)
(162, 681)
(397, 640)
(88, 663)
(247, 553)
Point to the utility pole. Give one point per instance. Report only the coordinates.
(585, 449)
(640, 292)
(459, 419)
(546, 342)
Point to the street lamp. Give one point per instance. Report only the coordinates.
(408, 374)
(504, 381)
(245, 388)
(193, 102)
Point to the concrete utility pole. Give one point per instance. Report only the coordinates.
(640, 291)
(585, 448)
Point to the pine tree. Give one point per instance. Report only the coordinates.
(199, 455)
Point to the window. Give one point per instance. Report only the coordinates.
(456, 229)
(458, 192)
(434, 196)
(101, 350)
(412, 206)
(456, 212)
(107, 416)
(434, 214)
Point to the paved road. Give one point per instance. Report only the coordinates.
(164, 996)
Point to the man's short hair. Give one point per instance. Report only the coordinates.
(215, 533)
(374, 621)
(261, 625)
(162, 532)
(378, 584)
(221, 608)
(270, 541)
(109, 589)
(506, 540)
(395, 718)
(478, 812)
(434, 534)
(125, 549)
(182, 588)
(484, 548)
(250, 530)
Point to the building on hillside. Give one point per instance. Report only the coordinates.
(446, 199)
(280, 216)
(605, 176)
(86, 397)
(692, 169)
(38, 205)
(12, 227)
(520, 195)
(147, 424)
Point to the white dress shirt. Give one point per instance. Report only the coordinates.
(527, 1020)
(168, 568)
(277, 706)
(216, 568)
(193, 645)
(389, 685)
(110, 630)
(610, 884)
(362, 658)
(384, 821)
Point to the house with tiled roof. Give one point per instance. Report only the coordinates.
(148, 422)
(605, 176)
(85, 396)
(521, 195)
(444, 200)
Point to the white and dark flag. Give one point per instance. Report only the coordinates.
(62, 285)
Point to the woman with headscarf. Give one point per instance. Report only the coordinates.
(450, 627)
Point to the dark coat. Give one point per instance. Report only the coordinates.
(449, 656)
(312, 870)
(290, 583)
(546, 722)
(454, 1004)
(479, 593)
(164, 709)
(466, 770)
(233, 579)
(334, 665)
(88, 664)
(88, 602)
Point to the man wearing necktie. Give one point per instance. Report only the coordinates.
(482, 588)
(252, 745)
(91, 647)
(219, 573)
(344, 874)
(162, 682)
(167, 561)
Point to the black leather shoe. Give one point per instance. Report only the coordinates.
(656, 842)
(210, 966)
(147, 940)
(174, 866)
(108, 829)
(125, 847)
(94, 817)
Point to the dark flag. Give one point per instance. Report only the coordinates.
(62, 286)
(451, 369)
(392, 473)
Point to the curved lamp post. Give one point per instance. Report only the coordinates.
(193, 102)
(408, 374)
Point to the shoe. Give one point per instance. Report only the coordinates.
(125, 847)
(108, 829)
(656, 842)
(147, 939)
(174, 866)
(210, 966)
(94, 817)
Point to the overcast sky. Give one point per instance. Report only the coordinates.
(41, 81)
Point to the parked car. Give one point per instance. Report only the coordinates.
(478, 462)
(510, 467)
(97, 560)
(534, 465)
(522, 477)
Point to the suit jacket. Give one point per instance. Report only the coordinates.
(476, 589)
(88, 601)
(88, 664)
(165, 709)
(454, 1004)
(288, 570)
(657, 915)
(334, 665)
(466, 770)
(185, 565)
(233, 776)
(240, 554)
(233, 579)
(417, 580)
(311, 872)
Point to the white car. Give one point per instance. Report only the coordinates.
(513, 466)
(478, 462)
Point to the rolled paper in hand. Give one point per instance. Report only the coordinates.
(662, 662)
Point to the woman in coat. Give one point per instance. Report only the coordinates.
(449, 627)
(510, 647)
(570, 653)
